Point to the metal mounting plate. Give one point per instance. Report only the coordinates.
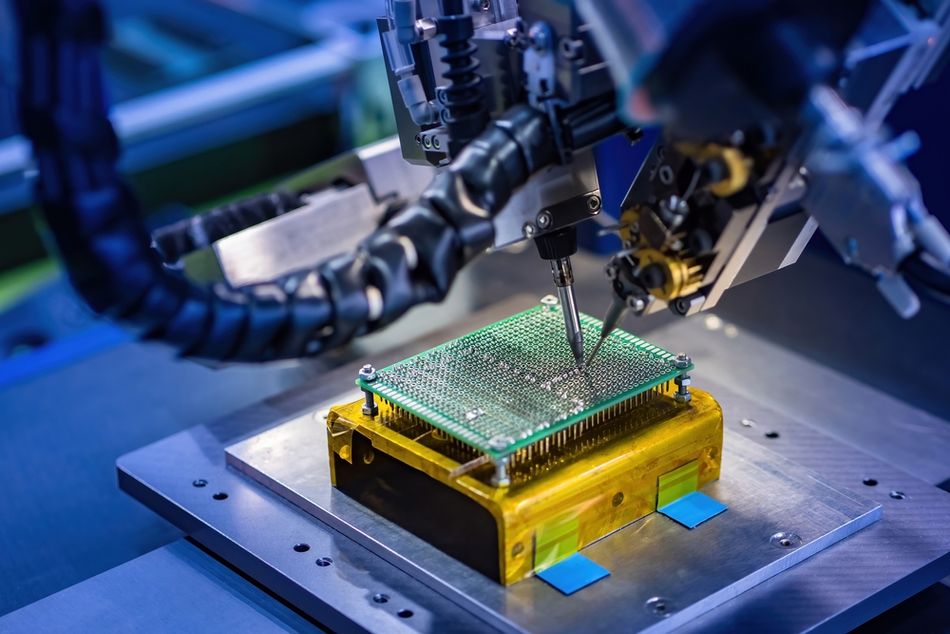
(255, 530)
(662, 575)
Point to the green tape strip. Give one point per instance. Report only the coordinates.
(555, 541)
(677, 483)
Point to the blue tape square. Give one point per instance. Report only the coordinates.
(573, 573)
(693, 509)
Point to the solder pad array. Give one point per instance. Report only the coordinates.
(515, 382)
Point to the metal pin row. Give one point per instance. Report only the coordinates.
(581, 431)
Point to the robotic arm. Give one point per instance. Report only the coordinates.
(753, 99)
(503, 99)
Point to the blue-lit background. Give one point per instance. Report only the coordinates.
(216, 98)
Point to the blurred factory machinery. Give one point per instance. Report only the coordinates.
(254, 203)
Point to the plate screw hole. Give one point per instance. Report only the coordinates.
(617, 499)
(747, 422)
(301, 548)
(517, 549)
(898, 495)
(659, 606)
(771, 434)
(200, 482)
(404, 614)
(323, 562)
(220, 495)
(869, 482)
(785, 540)
(379, 597)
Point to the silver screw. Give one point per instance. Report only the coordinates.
(367, 374)
(544, 219)
(501, 478)
(528, 230)
(659, 606)
(594, 204)
(683, 381)
(785, 540)
(635, 303)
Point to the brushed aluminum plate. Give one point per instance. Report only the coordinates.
(662, 575)
(819, 416)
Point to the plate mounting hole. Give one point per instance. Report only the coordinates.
(220, 495)
(301, 547)
(659, 606)
(785, 540)
(199, 483)
(617, 500)
(869, 482)
(323, 562)
(380, 597)
(404, 614)
(772, 434)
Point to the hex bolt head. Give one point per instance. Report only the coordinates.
(594, 204)
(544, 219)
(368, 374)
(635, 303)
(683, 381)
(682, 397)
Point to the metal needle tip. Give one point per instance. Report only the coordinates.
(564, 281)
(612, 319)
(593, 353)
(577, 347)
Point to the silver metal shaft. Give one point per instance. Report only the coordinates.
(612, 319)
(564, 281)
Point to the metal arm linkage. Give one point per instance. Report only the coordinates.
(94, 217)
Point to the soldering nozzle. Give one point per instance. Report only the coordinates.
(564, 281)
(615, 314)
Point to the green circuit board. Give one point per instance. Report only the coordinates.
(515, 382)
